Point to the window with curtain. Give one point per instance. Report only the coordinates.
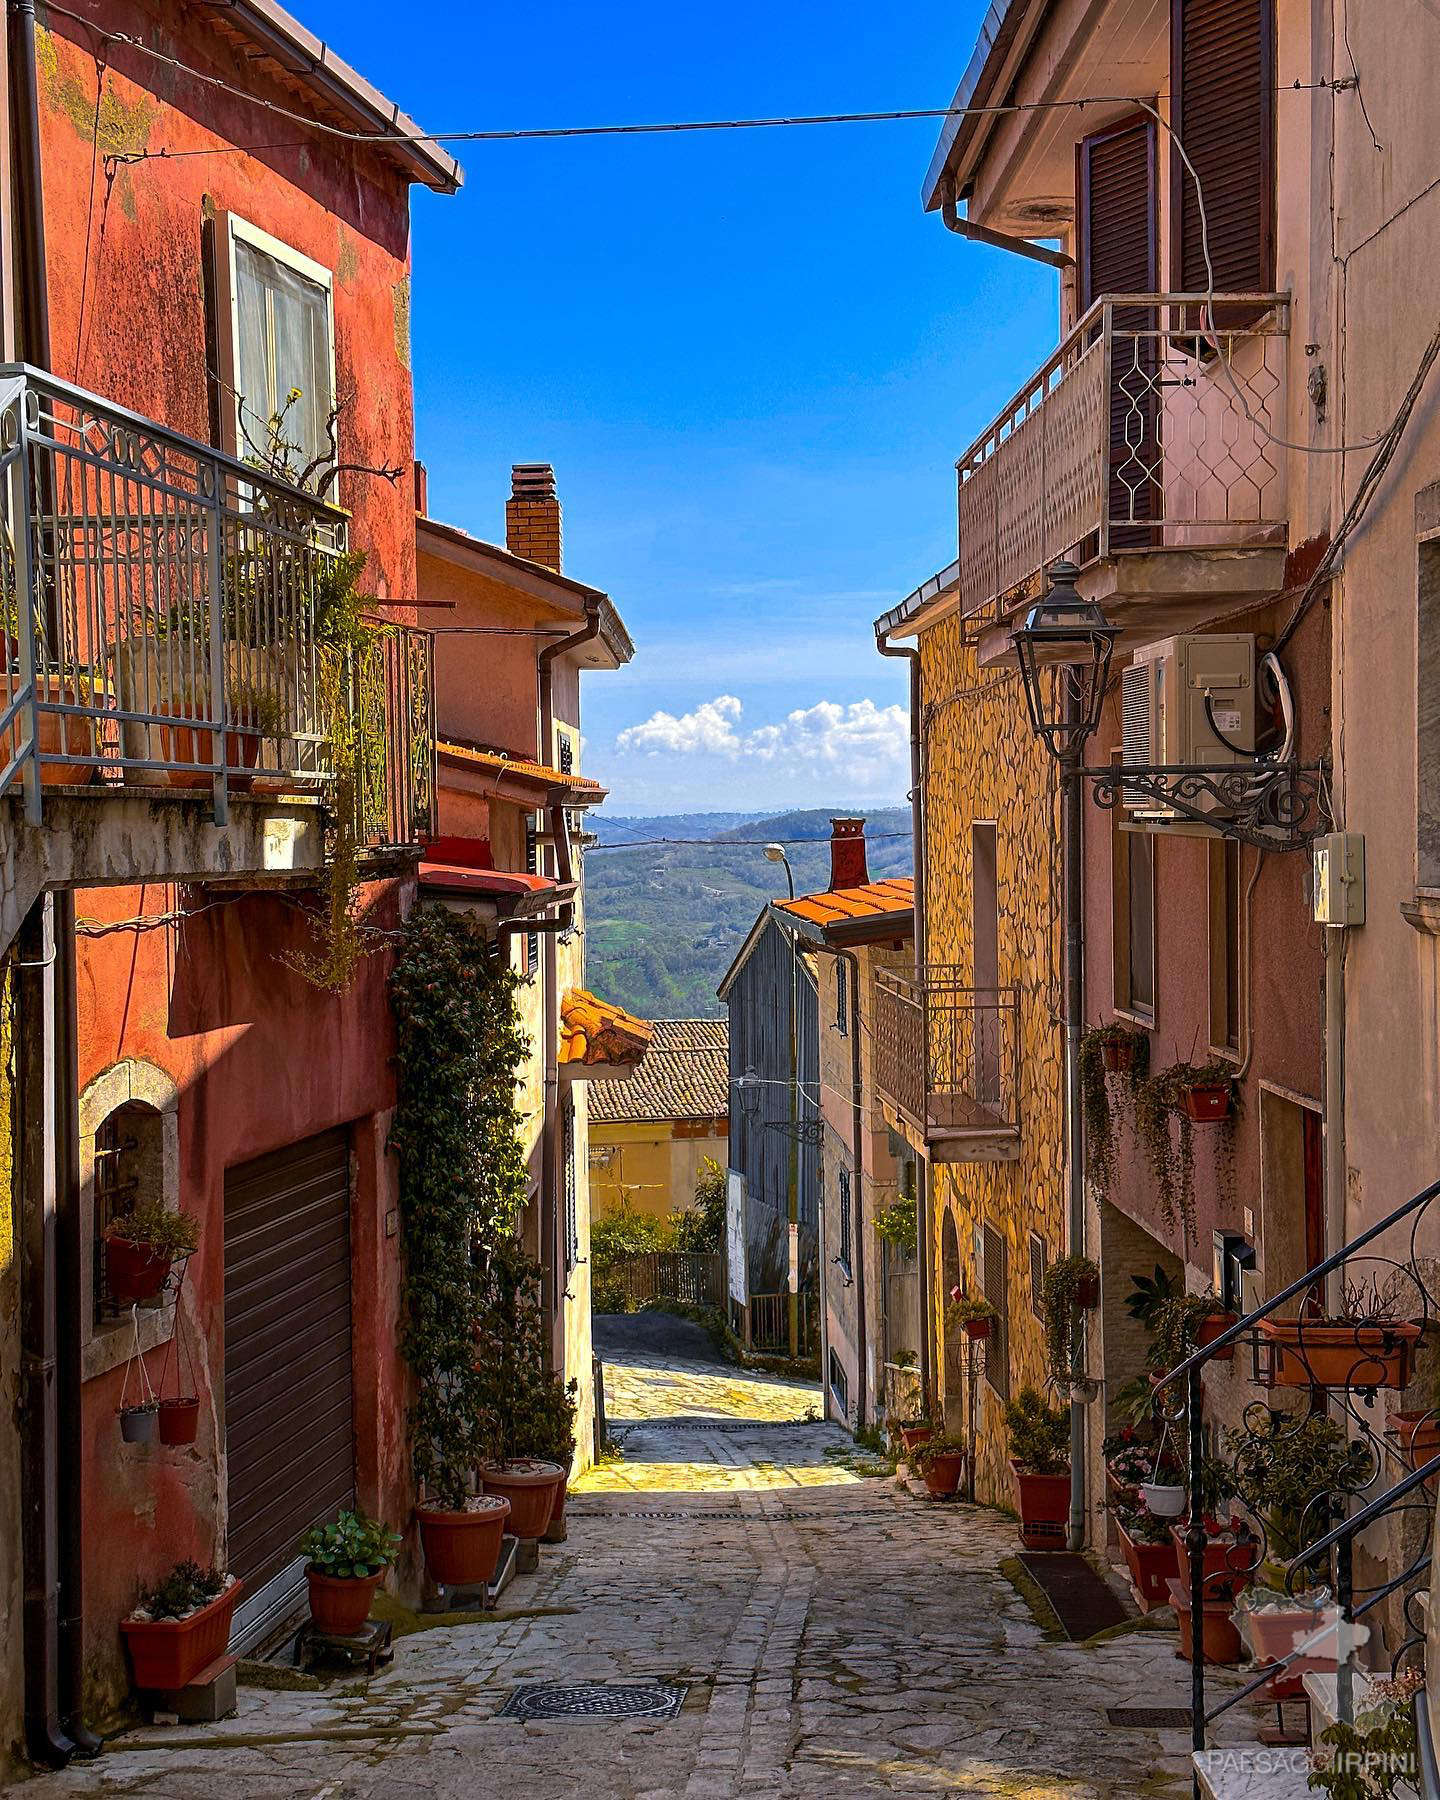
(282, 347)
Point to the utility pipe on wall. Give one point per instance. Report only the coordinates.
(1072, 802)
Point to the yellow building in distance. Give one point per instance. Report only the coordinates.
(650, 1134)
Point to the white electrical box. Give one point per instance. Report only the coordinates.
(1340, 879)
(1189, 702)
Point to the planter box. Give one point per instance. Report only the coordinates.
(1322, 1353)
(978, 1328)
(169, 1653)
(1152, 1568)
(1043, 1502)
(1207, 1105)
(1229, 1563)
(1219, 1636)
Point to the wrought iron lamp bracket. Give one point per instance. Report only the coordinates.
(1274, 806)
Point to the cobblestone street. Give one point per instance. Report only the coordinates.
(834, 1635)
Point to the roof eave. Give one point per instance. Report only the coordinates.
(932, 601)
(845, 934)
(961, 135)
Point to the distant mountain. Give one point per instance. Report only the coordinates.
(664, 921)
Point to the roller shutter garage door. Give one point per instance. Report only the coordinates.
(289, 1426)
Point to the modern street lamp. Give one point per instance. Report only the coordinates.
(776, 853)
(1071, 636)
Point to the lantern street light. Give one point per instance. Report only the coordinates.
(749, 1086)
(1071, 636)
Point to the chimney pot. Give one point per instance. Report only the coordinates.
(532, 515)
(422, 489)
(849, 865)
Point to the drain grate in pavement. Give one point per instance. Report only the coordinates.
(595, 1700)
(841, 1516)
(1084, 1604)
(699, 1422)
(1150, 1718)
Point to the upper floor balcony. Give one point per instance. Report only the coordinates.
(947, 1063)
(1149, 449)
(176, 623)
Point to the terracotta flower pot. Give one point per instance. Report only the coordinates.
(529, 1486)
(196, 744)
(72, 737)
(138, 1424)
(1212, 1327)
(942, 1476)
(978, 1328)
(1043, 1502)
(1417, 1436)
(1119, 1057)
(134, 1273)
(340, 1604)
(462, 1549)
(1323, 1353)
(1229, 1563)
(1220, 1639)
(555, 1532)
(179, 1420)
(1087, 1293)
(168, 1653)
(913, 1436)
(1152, 1568)
(1207, 1105)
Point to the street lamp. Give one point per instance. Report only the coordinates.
(1064, 632)
(749, 1086)
(776, 853)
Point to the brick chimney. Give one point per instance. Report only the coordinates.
(848, 865)
(422, 489)
(532, 515)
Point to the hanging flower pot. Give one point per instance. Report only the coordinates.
(1087, 1292)
(138, 1423)
(529, 1486)
(1212, 1326)
(462, 1547)
(977, 1329)
(1327, 1353)
(1118, 1054)
(179, 1419)
(134, 1272)
(1207, 1103)
(1163, 1499)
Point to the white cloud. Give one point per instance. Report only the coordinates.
(865, 744)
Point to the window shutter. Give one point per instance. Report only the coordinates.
(1222, 83)
(1117, 211)
(1037, 1275)
(996, 1287)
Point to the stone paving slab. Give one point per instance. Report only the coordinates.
(836, 1635)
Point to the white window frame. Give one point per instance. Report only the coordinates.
(236, 229)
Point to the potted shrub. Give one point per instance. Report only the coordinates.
(256, 717)
(1071, 1287)
(179, 1627)
(461, 1536)
(940, 1463)
(1040, 1466)
(1366, 1345)
(345, 1562)
(1149, 1554)
(547, 1429)
(1293, 1472)
(141, 1248)
(973, 1314)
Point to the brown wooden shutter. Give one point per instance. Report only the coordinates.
(1222, 83)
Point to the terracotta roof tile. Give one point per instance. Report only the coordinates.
(876, 900)
(685, 1075)
(595, 1031)
(502, 763)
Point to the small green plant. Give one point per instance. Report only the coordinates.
(256, 707)
(1378, 1757)
(1295, 1473)
(1060, 1294)
(898, 1224)
(1039, 1433)
(1095, 1094)
(930, 1452)
(905, 1359)
(1150, 1294)
(1159, 1102)
(183, 1590)
(152, 1222)
(1175, 1328)
(351, 1548)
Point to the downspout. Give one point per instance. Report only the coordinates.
(997, 240)
(59, 1513)
(1072, 801)
(911, 654)
(549, 1137)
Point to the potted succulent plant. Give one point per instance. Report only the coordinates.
(345, 1562)
(141, 1248)
(940, 1462)
(180, 1626)
(1040, 1466)
(973, 1314)
(1366, 1345)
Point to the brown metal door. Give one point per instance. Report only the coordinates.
(289, 1430)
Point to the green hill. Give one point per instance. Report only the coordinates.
(664, 921)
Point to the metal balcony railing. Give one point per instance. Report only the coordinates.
(163, 625)
(1148, 427)
(947, 1055)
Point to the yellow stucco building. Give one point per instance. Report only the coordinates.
(650, 1134)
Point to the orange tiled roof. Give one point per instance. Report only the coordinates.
(502, 763)
(685, 1075)
(595, 1031)
(843, 906)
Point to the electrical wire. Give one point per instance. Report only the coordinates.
(878, 837)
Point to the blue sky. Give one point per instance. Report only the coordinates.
(750, 356)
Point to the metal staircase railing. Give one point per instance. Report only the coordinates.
(1380, 1336)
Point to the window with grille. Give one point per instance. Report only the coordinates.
(846, 1224)
(994, 1279)
(842, 995)
(1037, 1274)
(572, 1222)
(567, 754)
(839, 1384)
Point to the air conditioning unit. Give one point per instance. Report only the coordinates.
(1166, 720)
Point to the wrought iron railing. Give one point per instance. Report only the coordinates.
(1150, 425)
(1326, 1346)
(163, 623)
(947, 1055)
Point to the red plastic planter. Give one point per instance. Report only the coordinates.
(134, 1272)
(1087, 1293)
(1320, 1353)
(168, 1653)
(942, 1476)
(978, 1328)
(1118, 1057)
(913, 1436)
(529, 1486)
(1152, 1569)
(1207, 1105)
(1228, 1564)
(462, 1549)
(1220, 1639)
(179, 1420)
(1211, 1328)
(340, 1604)
(1044, 1506)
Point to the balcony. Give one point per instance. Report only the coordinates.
(947, 1064)
(1145, 448)
(171, 645)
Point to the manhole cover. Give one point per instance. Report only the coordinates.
(1150, 1718)
(594, 1700)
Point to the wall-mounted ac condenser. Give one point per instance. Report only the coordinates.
(1166, 723)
